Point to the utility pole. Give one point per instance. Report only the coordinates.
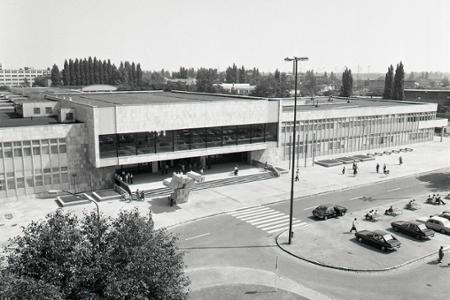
(295, 61)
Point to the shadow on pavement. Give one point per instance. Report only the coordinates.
(363, 244)
(161, 205)
(436, 181)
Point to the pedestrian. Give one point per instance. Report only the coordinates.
(131, 178)
(142, 196)
(400, 160)
(166, 169)
(297, 175)
(355, 171)
(236, 170)
(377, 168)
(343, 170)
(441, 254)
(355, 221)
(384, 168)
(265, 165)
(137, 194)
(127, 179)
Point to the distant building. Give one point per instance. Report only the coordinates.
(237, 88)
(441, 97)
(20, 77)
(186, 81)
(376, 86)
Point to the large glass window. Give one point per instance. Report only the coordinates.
(244, 134)
(182, 139)
(214, 136)
(257, 133)
(126, 144)
(271, 132)
(164, 141)
(108, 145)
(198, 138)
(229, 135)
(145, 142)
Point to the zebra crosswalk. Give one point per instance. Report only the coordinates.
(266, 219)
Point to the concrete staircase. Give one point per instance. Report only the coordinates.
(165, 191)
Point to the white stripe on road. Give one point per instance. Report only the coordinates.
(303, 224)
(246, 213)
(396, 189)
(263, 217)
(310, 207)
(197, 236)
(354, 198)
(280, 225)
(281, 216)
(269, 222)
(258, 215)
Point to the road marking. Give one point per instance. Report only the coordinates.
(248, 212)
(272, 215)
(396, 189)
(282, 223)
(354, 198)
(258, 215)
(269, 222)
(197, 236)
(309, 208)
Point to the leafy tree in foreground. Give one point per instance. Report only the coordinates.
(55, 76)
(66, 257)
(399, 83)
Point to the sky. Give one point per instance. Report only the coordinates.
(364, 35)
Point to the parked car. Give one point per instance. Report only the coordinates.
(445, 214)
(415, 229)
(438, 224)
(329, 211)
(378, 238)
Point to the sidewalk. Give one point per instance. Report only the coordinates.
(425, 157)
(214, 276)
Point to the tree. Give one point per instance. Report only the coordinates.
(399, 83)
(242, 75)
(206, 79)
(347, 83)
(139, 75)
(310, 83)
(445, 82)
(72, 73)
(66, 73)
(389, 84)
(55, 76)
(81, 258)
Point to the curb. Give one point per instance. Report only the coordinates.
(298, 198)
(341, 268)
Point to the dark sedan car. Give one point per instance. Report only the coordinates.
(414, 229)
(378, 238)
(329, 211)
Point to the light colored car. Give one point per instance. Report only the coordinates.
(438, 224)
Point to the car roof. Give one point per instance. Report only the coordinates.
(380, 232)
(437, 218)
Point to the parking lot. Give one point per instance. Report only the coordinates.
(331, 244)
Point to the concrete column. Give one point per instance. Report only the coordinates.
(154, 167)
(203, 161)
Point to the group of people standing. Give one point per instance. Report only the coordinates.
(126, 177)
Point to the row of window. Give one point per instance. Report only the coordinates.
(38, 150)
(32, 142)
(114, 145)
(37, 171)
(38, 180)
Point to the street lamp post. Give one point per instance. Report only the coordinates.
(295, 61)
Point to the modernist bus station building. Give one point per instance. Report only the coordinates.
(58, 139)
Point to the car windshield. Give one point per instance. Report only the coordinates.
(422, 226)
(387, 237)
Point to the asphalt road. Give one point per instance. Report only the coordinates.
(226, 240)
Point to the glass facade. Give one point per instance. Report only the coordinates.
(136, 143)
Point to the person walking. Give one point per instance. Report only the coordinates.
(343, 170)
(377, 168)
(236, 170)
(384, 168)
(355, 221)
(400, 160)
(297, 175)
(440, 254)
(131, 178)
(142, 198)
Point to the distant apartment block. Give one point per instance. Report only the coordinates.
(237, 88)
(19, 77)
